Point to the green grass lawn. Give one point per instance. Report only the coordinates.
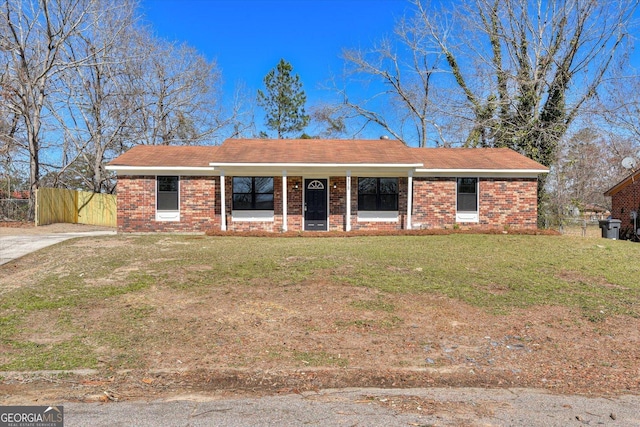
(498, 273)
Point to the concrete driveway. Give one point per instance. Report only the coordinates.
(16, 246)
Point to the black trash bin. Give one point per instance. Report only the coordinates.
(610, 228)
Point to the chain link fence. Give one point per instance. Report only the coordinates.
(580, 227)
(14, 210)
(574, 225)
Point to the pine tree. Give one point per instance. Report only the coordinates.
(283, 100)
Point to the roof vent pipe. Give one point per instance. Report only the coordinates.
(384, 137)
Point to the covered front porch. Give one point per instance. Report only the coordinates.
(316, 198)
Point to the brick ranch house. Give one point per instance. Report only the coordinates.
(336, 185)
(625, 199)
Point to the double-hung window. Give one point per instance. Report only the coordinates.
(252, 193)
(377, 194)
(167, 198)
(467, 200)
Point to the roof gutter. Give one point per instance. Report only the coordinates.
(500, 171)
(163, 170)
(481, 172)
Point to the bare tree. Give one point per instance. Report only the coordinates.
(619, 106)
(178, 92)
(401, 73)
(526, 68)
(81, 81)
(32, 42)
(9, 122)
(589, 168)
(138, 89)
(518, 71)
(327, 121)
(587, 164)
(92, 105)
(589, 160)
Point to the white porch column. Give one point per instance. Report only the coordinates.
(348, 214)
(284, 200)
(223, 210)
(409, 199)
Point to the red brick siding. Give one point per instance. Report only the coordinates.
(508, 202)
(434, 202)
(294, 203)
(337, 203)
(503, 202)
(622, 203)
(137, 205)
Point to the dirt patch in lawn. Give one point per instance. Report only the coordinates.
(307, 338)
(263, 337)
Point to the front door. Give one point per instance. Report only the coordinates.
(315, 204)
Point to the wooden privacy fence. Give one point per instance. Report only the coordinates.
(75, 207)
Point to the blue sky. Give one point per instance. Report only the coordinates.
(247, 38)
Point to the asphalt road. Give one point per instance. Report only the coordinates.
(16, 246)
(368, 407)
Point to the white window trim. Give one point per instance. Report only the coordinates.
(469, 216)
(252, 216)
(378, 216)
(169, 215)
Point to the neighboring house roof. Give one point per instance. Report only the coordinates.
(623, 184)
(475, 159)
(154, 156)
(316, 151)
(16, 194)
(296, 155)
(592, 207)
